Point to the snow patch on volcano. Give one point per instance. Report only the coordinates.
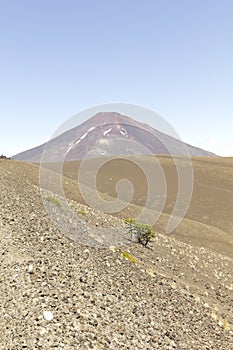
(107, 131)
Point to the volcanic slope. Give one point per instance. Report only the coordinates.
(209, 219)
(58, 294)
(108, 133)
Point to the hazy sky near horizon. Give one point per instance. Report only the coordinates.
(59, 57)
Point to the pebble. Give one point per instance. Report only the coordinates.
(48, 315)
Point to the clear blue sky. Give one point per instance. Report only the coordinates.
(61, 56)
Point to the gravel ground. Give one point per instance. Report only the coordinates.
(59, 294)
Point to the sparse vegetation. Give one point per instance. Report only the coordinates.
(128, 256)
(54, 200)
(123, 279)
(82, 212)
(142, 232)
(3, 157)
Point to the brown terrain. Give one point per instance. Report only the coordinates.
(59, 294)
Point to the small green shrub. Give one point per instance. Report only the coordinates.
(54, 200)
(143, 232)
(128, 257)
(82, 212)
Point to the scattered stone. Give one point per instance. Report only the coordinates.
(48, 315)
(58, 294)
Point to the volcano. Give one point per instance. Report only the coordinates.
(106, 134)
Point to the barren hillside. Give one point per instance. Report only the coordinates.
(209, 220)
(58, 294)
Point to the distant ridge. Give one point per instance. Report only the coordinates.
(99, 135)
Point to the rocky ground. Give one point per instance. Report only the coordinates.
(58, 294)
